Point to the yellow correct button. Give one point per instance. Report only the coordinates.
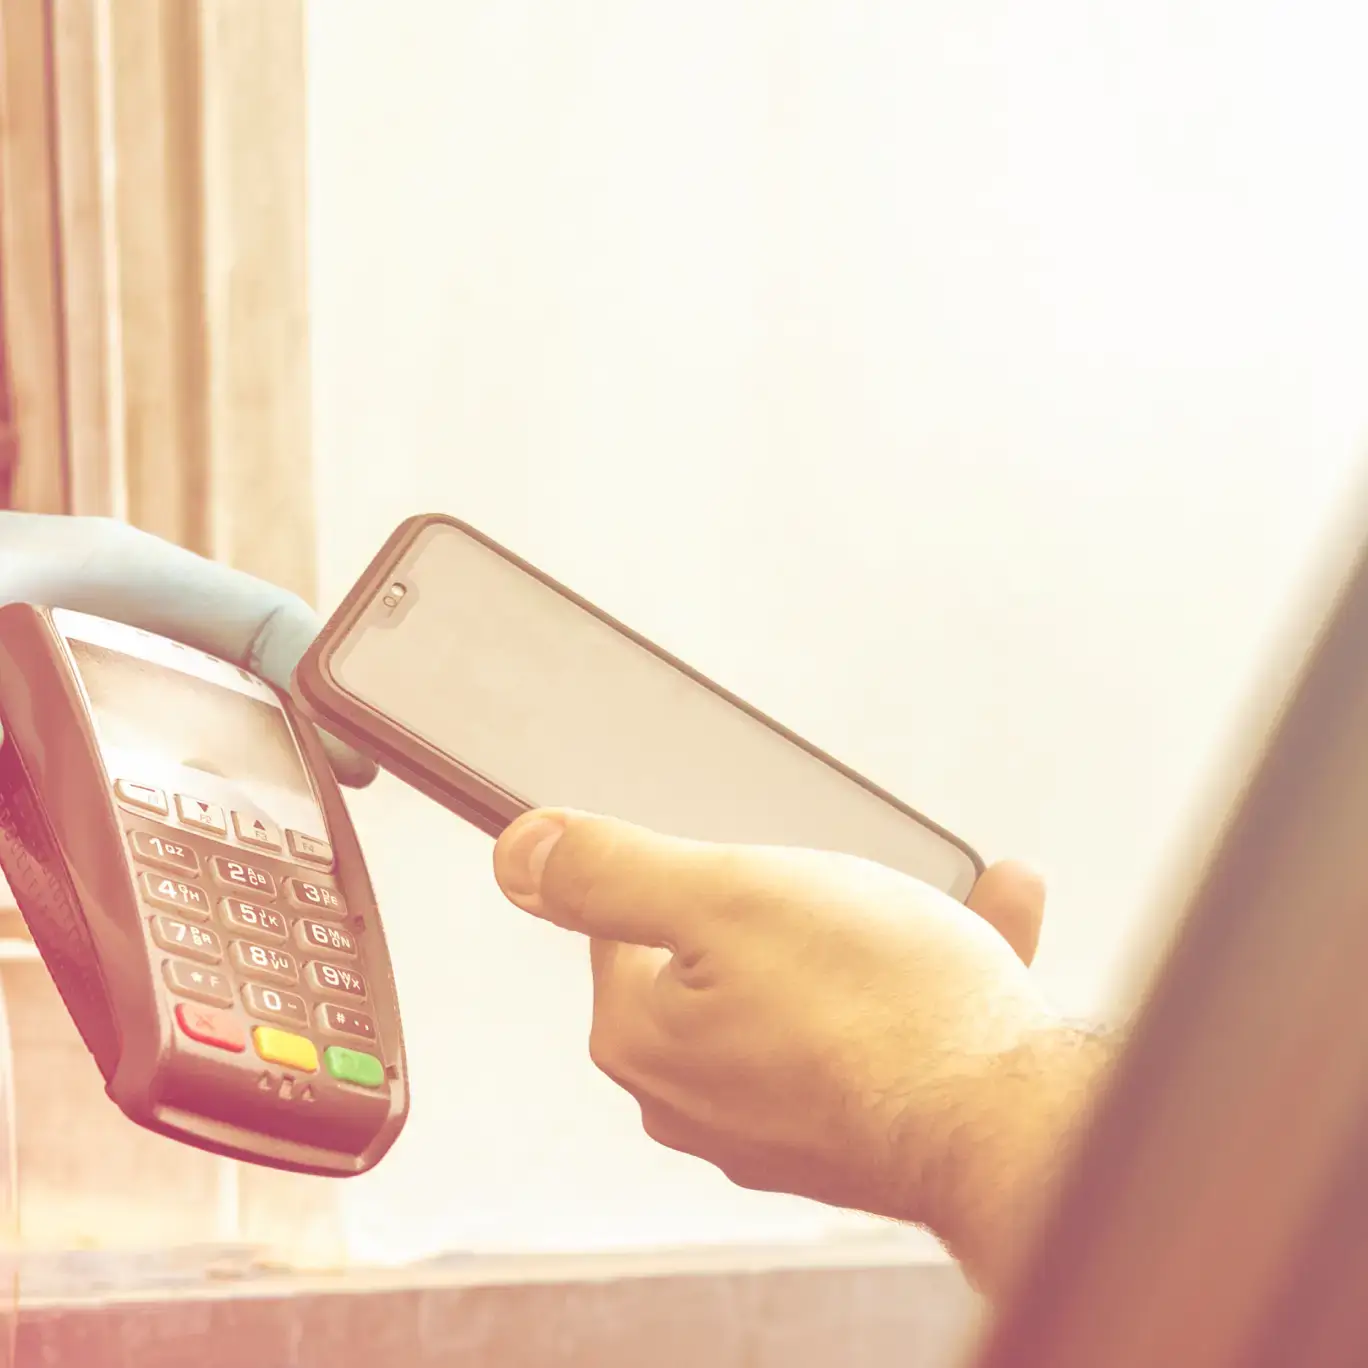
(284, 1047)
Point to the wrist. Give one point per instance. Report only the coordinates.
(1009, 1142)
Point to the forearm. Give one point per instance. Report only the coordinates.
(1010, 1146)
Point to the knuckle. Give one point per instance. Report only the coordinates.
(605, 1051)
(617, 1053)
(663, 1127)
(738, 1175)
(741, 1163)
(627, 1050)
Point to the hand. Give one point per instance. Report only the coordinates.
(810, 1023)
(110, 570)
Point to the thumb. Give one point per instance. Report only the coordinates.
(608, 879)
(1010, 897)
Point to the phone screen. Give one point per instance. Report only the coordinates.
(505, 673)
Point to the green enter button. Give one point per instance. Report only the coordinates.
(354, 1066)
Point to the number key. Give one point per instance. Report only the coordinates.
(273, 1004)
(316, 897)
(162, 891)
(334, 978)
(238, 875)
(315, 936)
(254, 920)
(157, 850)
(265, 962)
(198, 942)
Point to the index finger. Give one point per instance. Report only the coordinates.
(111, 570)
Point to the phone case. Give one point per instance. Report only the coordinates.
(448, 782)
(392, 747)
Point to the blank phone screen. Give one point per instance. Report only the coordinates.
(505, 674)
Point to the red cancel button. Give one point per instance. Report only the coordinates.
(210, 1027)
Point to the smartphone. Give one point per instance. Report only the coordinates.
(482, 682)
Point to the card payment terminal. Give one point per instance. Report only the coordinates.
(182, 856)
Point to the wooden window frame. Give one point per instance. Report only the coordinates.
(153, 241)
(757, 1308)
(154, 286)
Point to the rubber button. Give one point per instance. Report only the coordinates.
(198, 942)
(337, 1020)
(309, 848)
(336, 978)
(286, 1048)
(251, 830)
(220, 1029)
(314, 897)
(353, 1066)
(195, 981)
(235, 874)
(315, 936)
(196, 813)
(157, 850)
(162, 891)
(142, 795)
(273, 1004)
(254, 920)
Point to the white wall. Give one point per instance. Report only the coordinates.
(963, 383)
